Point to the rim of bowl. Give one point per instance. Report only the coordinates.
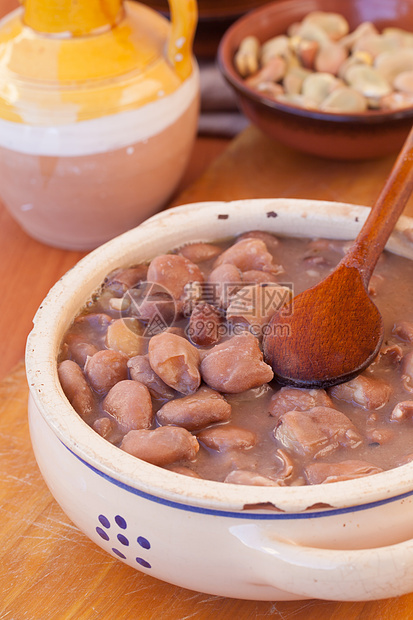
(226, 49)
(169, 229)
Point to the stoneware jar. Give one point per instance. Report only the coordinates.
(349, 540)
(98, 113)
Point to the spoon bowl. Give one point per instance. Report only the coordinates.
(343, 333)
(333, 331)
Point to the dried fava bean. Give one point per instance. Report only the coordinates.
(173, 272)
(330, 57)
(333, 24)
(375, 44)
(293, 80)
(269, 88)
(243, 476)
(396, 101)
(141, 370)
(273, 71)
(246, 254)
(317, 432)
(76, 389)
(390, 64)
(317, 86)
(129, 402)
(106, 368)
(125, 336)
(227, 437)
(404, 82)
(344, 100)
(246, 58)
(323, 473)
(405, 37)
(368, 81)
(297, 399)
(175, 361)
(404, 330)
(223, 282)
(195, 411)
(402, 411)
(360, 58)
(200, 252)
(277, 46)
(256, 304)
(362, 30)
(236, 365)
(161, 446)
(364, 391)
(309, 32)
(204, 325)
(306, 51)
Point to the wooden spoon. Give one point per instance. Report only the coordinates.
(331, 332)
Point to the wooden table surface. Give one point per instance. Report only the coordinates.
(49, 569)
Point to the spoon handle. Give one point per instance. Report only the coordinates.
(370, 242)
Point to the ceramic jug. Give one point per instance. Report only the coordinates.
(99, 103)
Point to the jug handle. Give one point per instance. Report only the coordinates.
(184, 14)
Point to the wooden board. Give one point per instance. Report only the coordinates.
(49, 570)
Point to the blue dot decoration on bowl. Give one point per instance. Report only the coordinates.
(110, 533)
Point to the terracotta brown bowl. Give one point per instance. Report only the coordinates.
(340, 136)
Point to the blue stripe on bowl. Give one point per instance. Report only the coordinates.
(240, 514)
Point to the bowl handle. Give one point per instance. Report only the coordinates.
(184, 15)
(329, 574)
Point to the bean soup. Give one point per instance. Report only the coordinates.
(166, 363)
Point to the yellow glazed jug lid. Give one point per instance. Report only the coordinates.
(63, 61)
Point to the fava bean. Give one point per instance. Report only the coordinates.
(242, 476)
(129, 402)
(141, 370)
(126, 336)
(227, 437)
(224, 281)
(200, 252)
(204, 325)
(162, 446)
(173, 272)
(195, 411)
(78, 350)
(246, 254)
(76, 388)
(363, 391)
(175, 361)
(236, 365)
(106, 368)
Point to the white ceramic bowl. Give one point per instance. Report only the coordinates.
(349, 540)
